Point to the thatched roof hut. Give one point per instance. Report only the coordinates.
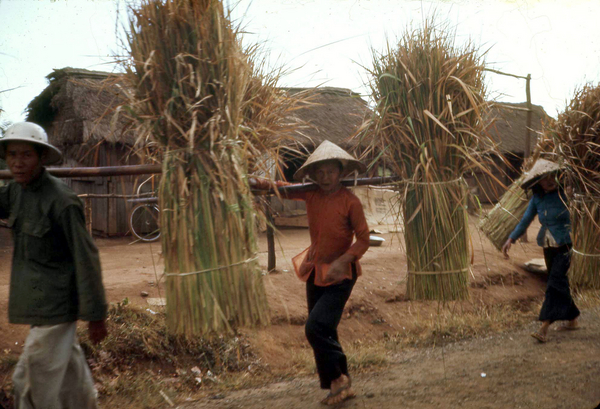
(77, 108)
(333, 114)
(509, 125)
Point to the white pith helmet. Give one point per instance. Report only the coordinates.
(32, 133)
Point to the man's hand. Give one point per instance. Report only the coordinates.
(506, 247)
(97, 331)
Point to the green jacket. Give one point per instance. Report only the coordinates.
(56, 274)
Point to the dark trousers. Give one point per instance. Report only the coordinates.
(558, 304)
(325, 307)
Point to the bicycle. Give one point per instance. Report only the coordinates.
(144, 218)
(144, 221)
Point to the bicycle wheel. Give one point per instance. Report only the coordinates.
(144, 222)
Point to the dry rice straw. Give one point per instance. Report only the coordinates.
(436, 236)
(585, 262)
(212, 269)
(495, 225)
(462, 270)
(585, 255)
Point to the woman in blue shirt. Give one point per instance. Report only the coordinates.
(548, 203)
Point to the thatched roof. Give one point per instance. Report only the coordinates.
(332, 114)
(509, 125)
(77, 108)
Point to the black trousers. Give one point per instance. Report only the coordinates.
(558, 304)
(325, 308)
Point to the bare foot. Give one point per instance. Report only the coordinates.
(568, 326)
(341, 390)
(542, 334)
(541, 338)
(344, 394)
(544, 328)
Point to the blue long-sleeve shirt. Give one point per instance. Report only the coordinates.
(553, 215)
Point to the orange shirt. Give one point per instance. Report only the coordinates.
(333, 219)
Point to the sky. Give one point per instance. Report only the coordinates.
(320, 42)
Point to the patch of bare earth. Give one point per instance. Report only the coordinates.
(402, 353)
(508, 370)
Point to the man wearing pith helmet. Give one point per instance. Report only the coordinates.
(330, 266)
(55, 277)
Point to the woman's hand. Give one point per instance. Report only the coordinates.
(506, 247)
(338, 269)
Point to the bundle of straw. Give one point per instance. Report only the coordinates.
(200, 101)
(577, 137)
(505, 215)
(440, 269)
(502, 219)
(585, 257)
(430, 99)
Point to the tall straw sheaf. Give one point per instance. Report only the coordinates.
(201, 100)
(577, 137)
(502, 219)
(430, 98)
(585, 258)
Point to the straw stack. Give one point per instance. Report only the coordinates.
(577, 136)
(502, 219)
(585, 257)
(428, 120)
(577, 133)
(201, 105)
(437, 240)
(505, 215)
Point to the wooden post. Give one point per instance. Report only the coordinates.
(88, 214)
(527, 153)
(529, 114)
(272, 258)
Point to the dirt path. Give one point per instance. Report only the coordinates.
(130, 269)
(511, 370)
(520, 373)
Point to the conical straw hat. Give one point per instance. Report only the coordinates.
(328, 151)
(540, 168)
